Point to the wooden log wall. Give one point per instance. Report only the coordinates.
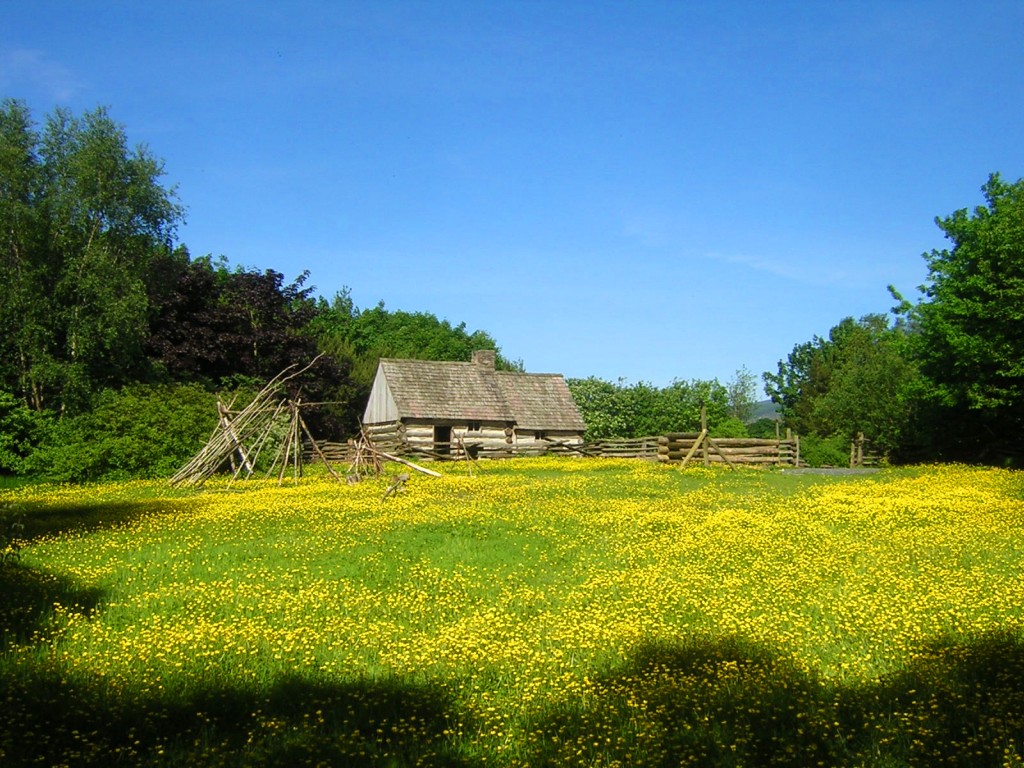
(421, 437)
(390, 437)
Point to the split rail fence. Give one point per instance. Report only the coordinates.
(686, 447)
(862, 454)
(676, 447)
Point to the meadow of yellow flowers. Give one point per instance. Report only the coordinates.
(537, 612)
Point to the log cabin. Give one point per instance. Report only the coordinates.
(437, 406)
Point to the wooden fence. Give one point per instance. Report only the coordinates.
(862, 454)
(339, 453)
(674, 447)
(335, 453)
(624, 448)
(686, 447)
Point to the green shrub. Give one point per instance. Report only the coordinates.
(21, 430)
(764, 428)
(729, 427)
(140, 431)
(820, 451)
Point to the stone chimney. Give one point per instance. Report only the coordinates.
(484, 358)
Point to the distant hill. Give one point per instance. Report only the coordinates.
(765, 409)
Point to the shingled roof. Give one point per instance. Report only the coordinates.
(453, 391)
(540, 401)
(430, 389)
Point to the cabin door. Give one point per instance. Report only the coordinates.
(443, 440)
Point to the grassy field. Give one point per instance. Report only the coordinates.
(538, 613)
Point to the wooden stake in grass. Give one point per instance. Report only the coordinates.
(397, 484)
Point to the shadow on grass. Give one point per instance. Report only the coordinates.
(83, 516)
(47, 719)
(715, 703)
(52, 716)
(729, 703)
(27, 599)
(28, 594)
(705, 702)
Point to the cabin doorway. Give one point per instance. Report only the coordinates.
(443, 440)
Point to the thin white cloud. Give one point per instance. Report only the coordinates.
(796, 269)
(27, 69)
(650, 229)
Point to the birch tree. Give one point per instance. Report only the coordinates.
(82, 215)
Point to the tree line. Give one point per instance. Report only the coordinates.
(117, 341)
(941, 378)
(621, 409)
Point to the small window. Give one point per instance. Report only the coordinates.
(474, 426)
(538, 435)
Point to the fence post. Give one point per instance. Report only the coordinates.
(704, 431)
(857, 451)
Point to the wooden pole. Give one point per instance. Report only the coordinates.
(720, 452)
(704, 433)
(221, 410)
(316, 448)
(296, 441)
(693, 448)
(265, 433)
(236, 432)
(575, 448)
(409, 464)
(287, 446)
(229, 429)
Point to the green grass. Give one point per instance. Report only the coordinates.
(539, 613)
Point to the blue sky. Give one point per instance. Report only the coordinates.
(621, 189)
